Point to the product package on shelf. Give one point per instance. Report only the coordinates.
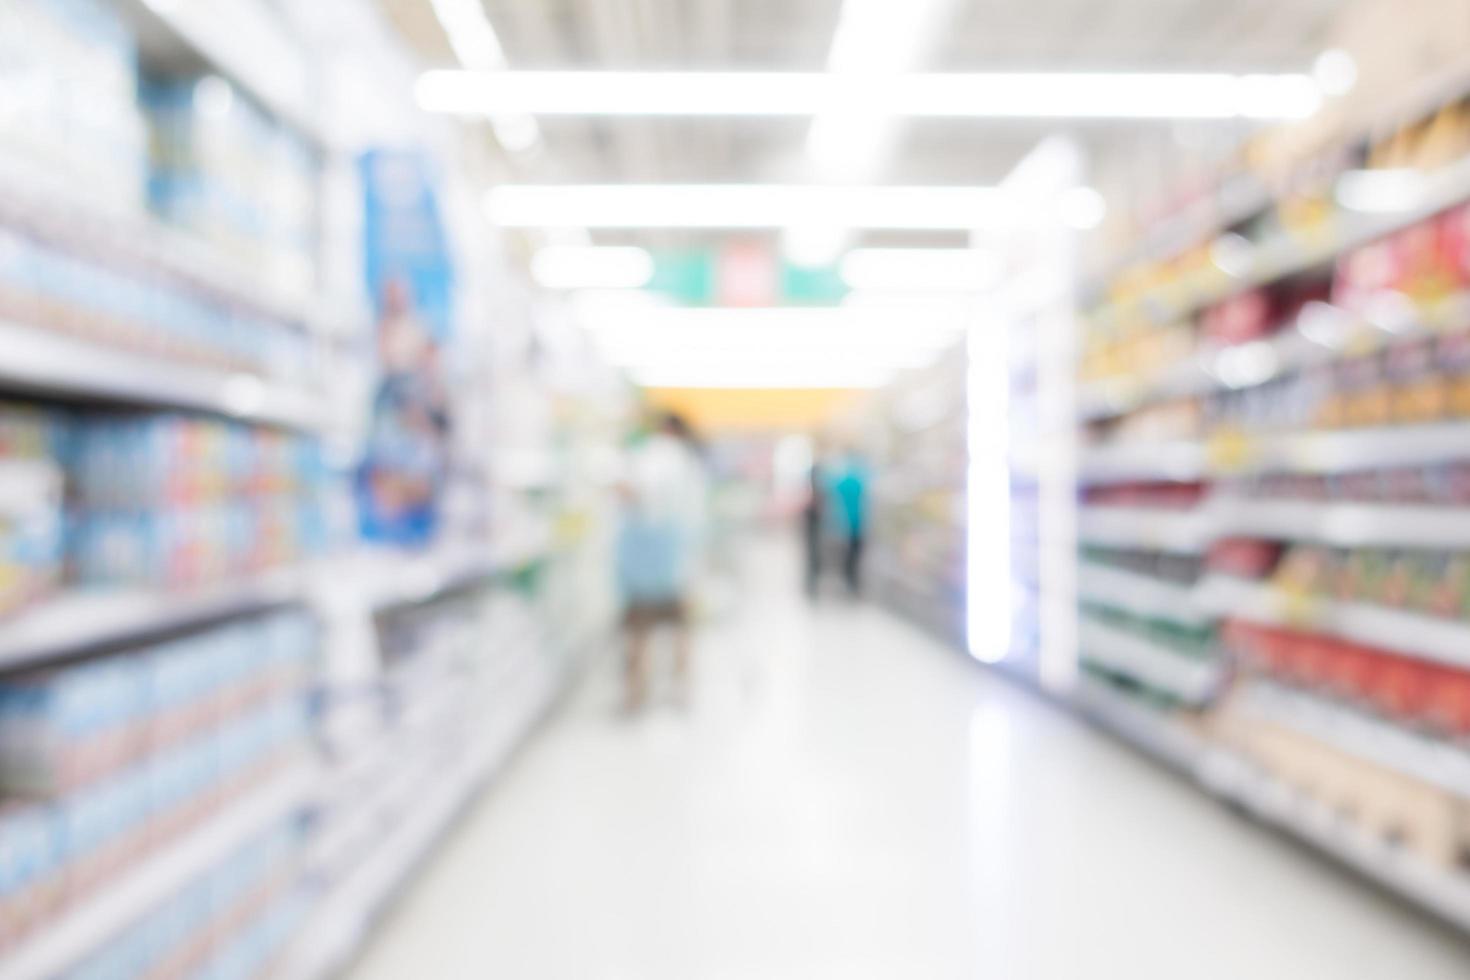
(226, 171)
(31, 519)
(71, 67)
(172, 500)
(108, 761)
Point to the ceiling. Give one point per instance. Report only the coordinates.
(1239, 35)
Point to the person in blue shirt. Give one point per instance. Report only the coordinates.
(849, 514)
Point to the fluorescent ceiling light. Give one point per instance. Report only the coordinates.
(749, 357)
(992, 95)
(876, 42)
(771, 378)
(591, 267)
(1381, 191)
(920, 269)
(477, 47)
(1335, 71)
(1083, 208)
(742, 206)
(933, 327)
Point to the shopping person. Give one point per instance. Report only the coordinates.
(849, 504)
(658, 548)
(813, 518)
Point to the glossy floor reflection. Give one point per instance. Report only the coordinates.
(846, 799)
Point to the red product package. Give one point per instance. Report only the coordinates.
(1364, 273)
(1454, 243)
(1241, 318)
(1449, 700)
(1350, 671)
(1401, 687)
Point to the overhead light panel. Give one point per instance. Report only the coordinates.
(929, 270)
(735, 206)
(477, 46)
(773, 377)
(876, 43)
(592, 267)
(989, 95)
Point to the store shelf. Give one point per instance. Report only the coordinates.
(1140, 595)
(1146, 528)
(1362, 735)
(50, 364)
(88, 620)
(1286, 254)
(1187, 678)
(1147, 728)
(1181, 462)
(1384, 447)
(85, 928)
(1440, 891)
(1345, 525)
(384, 578)
(28, 485)
(235, 40)
(348, 909)
(1444, 641)
(49, 202)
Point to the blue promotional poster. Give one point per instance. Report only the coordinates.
(409, 275)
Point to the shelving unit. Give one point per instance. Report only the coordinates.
(1140, 595)
(47, 364)
(1234, 780)
(1181, 676)
(69, 939)
(1445, 641)
(80, 621)
(1274, 489)
(1146, 528)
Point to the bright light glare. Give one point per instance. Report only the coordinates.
(989, 95)
(774, 377)
(608, 267)
(1233, 254)
(1381, 191)
(1335, 71)
(742, 206)
(1083, 208)
(920, 269)
(921, 326)
(989, 589)
(478, 48)
(876, 41)
(813, 246)
(781, 347)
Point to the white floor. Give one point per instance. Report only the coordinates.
(846, 799)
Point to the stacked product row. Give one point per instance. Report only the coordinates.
(160, 500)
(919, 519)
(108, 761)
(219, 169)
(1279, 483)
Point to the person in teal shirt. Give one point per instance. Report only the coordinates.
(849, 514)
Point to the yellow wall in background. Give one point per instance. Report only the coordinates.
(743, 410)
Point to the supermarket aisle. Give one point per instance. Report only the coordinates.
(848, 800)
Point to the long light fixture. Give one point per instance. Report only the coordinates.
(735, 206)
(920, 326)
(989, 95)
(900, 270)
(780, 347)
(478, 48)
(876, 43)
(774, 377)
(592, 267)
